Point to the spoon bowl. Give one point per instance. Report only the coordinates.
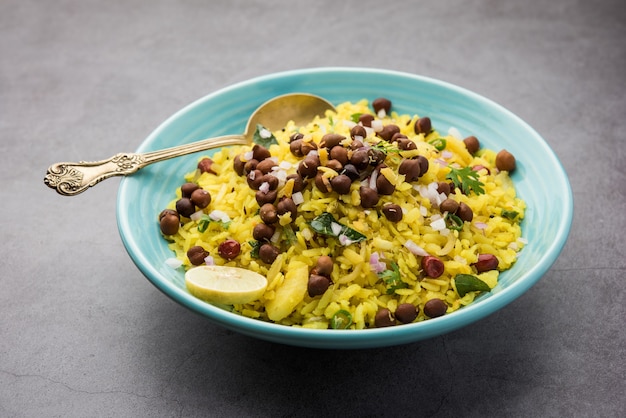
(70, 179)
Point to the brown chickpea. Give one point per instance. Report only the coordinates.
(298, 182)
(406, 313)
(341, 184)
(286, 205)
(185, 207)
(366, 119)
(169, 222)
(392, 212)
(472, 144)
(464, 212)
(268, 213)
(505, 161)
(410, 169)
(331, 140)
(205, 166)
(339, 153)
(358, 131)
(201, 198)
(196, 255)
(423, 125)
(263, 232)
(324, 265)
(268, 253)
(435, 307)
(384, 318)
(449, 205)
(188, 188)
(317, 285)
(369, 197)
(381, 103)
(260, 153)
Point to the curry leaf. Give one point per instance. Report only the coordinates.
(326, 224)
(466, 283)
(264, 136)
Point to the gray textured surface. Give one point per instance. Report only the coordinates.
(82, 333)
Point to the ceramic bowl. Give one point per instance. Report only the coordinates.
(539, 178)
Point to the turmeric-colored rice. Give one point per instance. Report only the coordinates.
(355, 287)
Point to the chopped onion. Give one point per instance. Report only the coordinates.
(423, 210)
(297, 198)
(344, 240)
(460, 259)
(173, 263)
(264, 187)
(218, 215)
(196, 216)
(438, 224)
(377, 125)
(276, 237)
(209, 260)
(455, 133)
(375, 263)
(265, 133)
(350, 124)
(446, 154)
(373, 178)
(415, 249)
(441, 162)
(285, 165)
(335, 227)
(480, 225)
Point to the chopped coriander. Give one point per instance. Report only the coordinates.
(255, 248)
(355, 117)
(204, 222)
(392, 279)
(465, 179)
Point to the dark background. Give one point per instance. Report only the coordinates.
(83, 333)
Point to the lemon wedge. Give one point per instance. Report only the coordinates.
(225, 285)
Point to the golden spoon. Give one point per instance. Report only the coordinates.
(70, 179)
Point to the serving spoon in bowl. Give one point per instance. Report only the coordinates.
(70, 179)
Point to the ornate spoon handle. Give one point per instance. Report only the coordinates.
(70, 179)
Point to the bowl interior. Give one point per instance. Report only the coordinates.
(539, 178)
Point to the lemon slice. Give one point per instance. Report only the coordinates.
(225, 285)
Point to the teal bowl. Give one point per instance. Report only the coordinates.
(539, 178)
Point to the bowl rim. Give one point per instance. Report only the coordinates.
(366, 338)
